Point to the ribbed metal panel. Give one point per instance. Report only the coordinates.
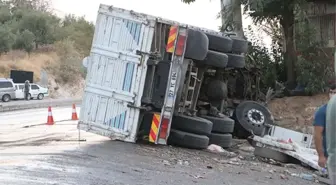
(116, 73)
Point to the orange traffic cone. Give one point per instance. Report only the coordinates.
(74, 113)
(50, 117)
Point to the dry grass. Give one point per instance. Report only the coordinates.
(49, 61)
(20, 60)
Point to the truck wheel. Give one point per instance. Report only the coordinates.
(223, 140)
(236, 61)
(221, 125)
(217, 90)
(271, 154)
(219, 43)
(188, 140)
(216, 59)
(195, 125)
(239, 46)
(252, 116)
(197, 45)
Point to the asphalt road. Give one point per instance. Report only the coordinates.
(43, 155)
(34, 101)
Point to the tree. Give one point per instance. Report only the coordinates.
(280, 10)
(25, 40)
(37, 5)
(6, 39)
(5, 14)
(39, 24)
(75, 29)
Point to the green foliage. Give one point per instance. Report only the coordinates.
(270, 63)
(32, 22)
(25, 40)
(5, 14)
(77, 28)
(314, 66)
(39, 24)
(7, 39)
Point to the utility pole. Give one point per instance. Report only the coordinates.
(232, 20)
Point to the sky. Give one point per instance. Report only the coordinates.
(202, 13)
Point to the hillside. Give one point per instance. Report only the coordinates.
(48, 61)
(32, 38)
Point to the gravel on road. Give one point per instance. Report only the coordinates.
(51, 155)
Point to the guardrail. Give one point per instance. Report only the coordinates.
(21, 105)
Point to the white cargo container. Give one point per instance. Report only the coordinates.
(117, 67)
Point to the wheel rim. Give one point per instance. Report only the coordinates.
(255, 117)
(40, 96)
(6, 98)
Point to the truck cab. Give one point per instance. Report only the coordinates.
(163, 81)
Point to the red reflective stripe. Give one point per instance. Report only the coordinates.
(156, 121)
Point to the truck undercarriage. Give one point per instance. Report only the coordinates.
(218, 88)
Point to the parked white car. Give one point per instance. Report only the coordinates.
(35, 92)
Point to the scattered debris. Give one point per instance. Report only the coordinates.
(166, 163)
(247, 149)
(181, 162)
(254, 169)
(242, 173)
(282, 176)
(290, 166)
(233, 161)
(209, 167)
(287, 172)
(308, 177)
(218, 149)
(197, 176)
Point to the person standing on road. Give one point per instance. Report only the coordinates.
(320, 130)
(26, 89)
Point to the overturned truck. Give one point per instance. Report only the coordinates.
(167, 82)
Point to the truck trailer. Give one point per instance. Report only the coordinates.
(167, 82)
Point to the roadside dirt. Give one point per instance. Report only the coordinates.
(297, 112)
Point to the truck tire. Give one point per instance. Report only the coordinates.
(188, 140)
(216, 59)
(236, 61)
(217, 90)
(195, 125)
(219, 43)
(239, 46)
(271, 154)
(221, 125)
(223, 140)
(240, 132)
(197, 45)
(253, 116)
